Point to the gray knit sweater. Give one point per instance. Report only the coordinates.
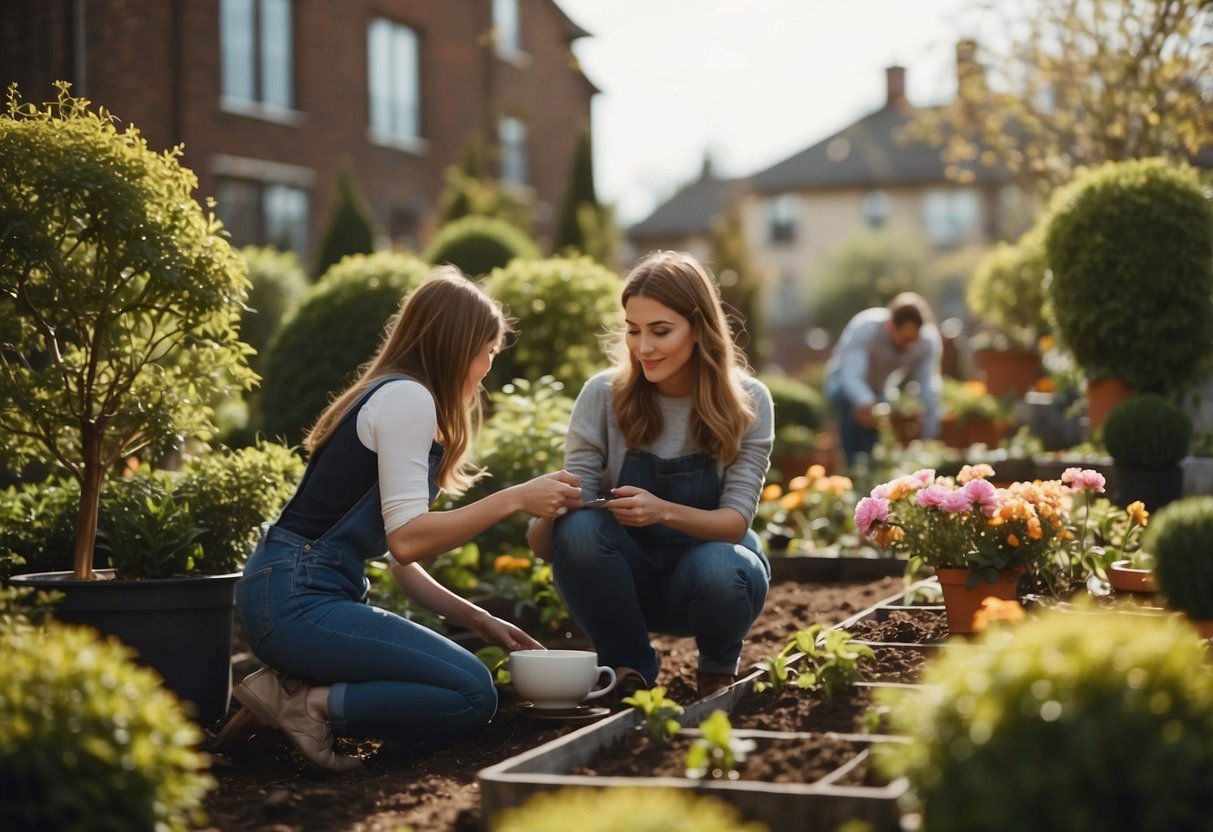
(595, 447)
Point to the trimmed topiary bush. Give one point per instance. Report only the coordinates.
(1148, 432)
(1007, 289)
(564, 309)
(350, 228)
(279, 284)
(335, 330)
(89, 740)
(1069, 721)
(1180, 536)
(1130, 245)
(477, 245)
(622, 810)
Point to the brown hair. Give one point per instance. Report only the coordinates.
(441, 327)
(910, 307)
(723, 410)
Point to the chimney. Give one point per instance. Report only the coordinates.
(968, 71)
(895, 81)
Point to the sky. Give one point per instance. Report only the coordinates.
(749, 82)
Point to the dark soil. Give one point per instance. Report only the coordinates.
(431, 787)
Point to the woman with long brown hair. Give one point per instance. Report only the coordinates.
(378, 457)
(672, 447)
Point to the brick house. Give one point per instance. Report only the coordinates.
(269, 97)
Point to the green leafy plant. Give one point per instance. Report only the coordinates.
(1147, 432)
(351, 305)
(1005, 291)
(38, 525)
(564, 308)
(119, 295)
(814, 512)
(659, 712)
(231, 494)
(350, 228)
(147, 531)
(498, 662)
(1129, 244)
(528, 583)
(815, 658)
(278, 286)
(1179, 537)
(478, 244)
(1033, 707)
(622, 810)
(717, 753)
(90, 740)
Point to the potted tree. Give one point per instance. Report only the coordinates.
(119, 295)
(1179, 539)
(1147, 437)
(1130, 246)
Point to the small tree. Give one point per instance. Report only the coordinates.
(119, 297)
(350, 230)
(583, 225)
(1071, 83)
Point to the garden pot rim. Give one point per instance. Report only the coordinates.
(106, 577)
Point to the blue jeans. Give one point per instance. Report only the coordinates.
(618, 591)
(854, 438)
(303, 605)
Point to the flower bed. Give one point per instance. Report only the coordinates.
(801, 775)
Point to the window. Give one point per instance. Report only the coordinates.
(507, 35)
(511, 132)
(875, 209)
(256, 52)
(782, 215)
(395, 82)
(951, 215)
(263, 214)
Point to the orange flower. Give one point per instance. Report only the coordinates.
(1013, 541)
(798, 483)
(995, 609)
(510, 563)
(772, 492)
(815, 471)
(792, 500)
(1137, 513)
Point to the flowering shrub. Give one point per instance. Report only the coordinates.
(814, 511)
(967, 522)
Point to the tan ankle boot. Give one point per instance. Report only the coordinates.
(282, 703)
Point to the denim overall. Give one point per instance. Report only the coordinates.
(622, 582)
(303, 604)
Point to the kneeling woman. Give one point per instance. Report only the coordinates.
(377, 458)
(679, 437)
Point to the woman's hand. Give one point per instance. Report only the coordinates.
(494, 630)
(552, 495)
(636, 507)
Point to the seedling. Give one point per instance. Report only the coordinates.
(495, 659)
(716, 752)
(659, 712)
(828, 660)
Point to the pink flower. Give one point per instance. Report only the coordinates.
(984, 495)
(1083, 479)
(870, 511)
(882, 491)
(932, 496)
(922, 477)
(956, 502)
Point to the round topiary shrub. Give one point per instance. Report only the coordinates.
(1179, 536)
(279, 284)
(1148, 432)
(335, 330)
(796, 403)
(1006, 289)
(1069, 721)
(1130, 245)
(89, 740)
(622, 810)
(564, 309)
(477, 245)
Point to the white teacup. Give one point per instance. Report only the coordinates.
(558, 678)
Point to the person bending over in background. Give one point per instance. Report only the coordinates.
(877, 348)
(378, 457)
(678, 435)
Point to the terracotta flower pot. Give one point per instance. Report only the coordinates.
(960, 602)
(1125, 578)
(1103, 394)
(1008, 371)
